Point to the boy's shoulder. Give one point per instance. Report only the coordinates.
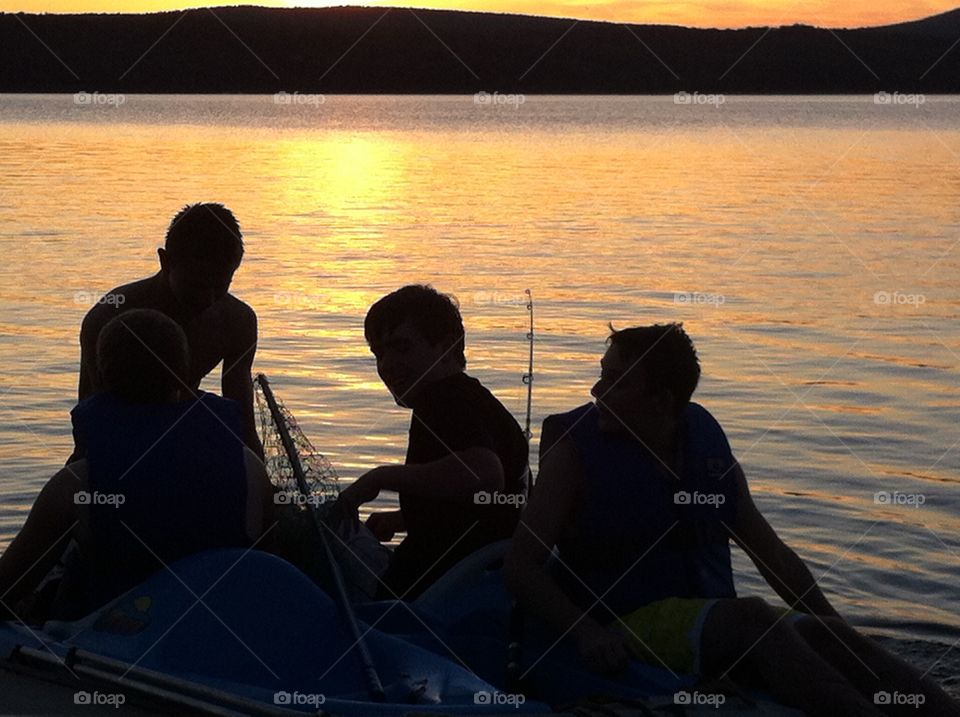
(238, 312)
(134, 295)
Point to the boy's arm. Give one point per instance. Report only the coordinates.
(89, 378)
(551, 508)
(457, 478)
(780, 566)
(236, 382)
(89, 331)
(472, 466)
(261, 520)
(43, 538)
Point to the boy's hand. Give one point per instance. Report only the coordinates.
(603, 650)
(363, 490)
(385, 525)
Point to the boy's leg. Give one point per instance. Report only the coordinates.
(873, 670)
(748, 631)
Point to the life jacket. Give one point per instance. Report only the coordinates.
(641, 535)
(165, 481)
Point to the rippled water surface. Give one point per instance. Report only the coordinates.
(810, 246)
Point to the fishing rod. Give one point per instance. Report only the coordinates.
(374, 686)
(516, 625)
(528, 376)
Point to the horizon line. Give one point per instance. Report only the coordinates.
(191, 7)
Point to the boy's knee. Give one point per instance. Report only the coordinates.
(750, 618)
(818, 629)
(758, 611)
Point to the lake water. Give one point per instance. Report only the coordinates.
(810, 246)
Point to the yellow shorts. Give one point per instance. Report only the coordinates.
(667, 632)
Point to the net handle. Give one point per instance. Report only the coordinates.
(374, 686)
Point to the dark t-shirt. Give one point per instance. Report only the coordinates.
(450, 415)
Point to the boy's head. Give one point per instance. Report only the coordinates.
(417, 336)
(648, 375)
(142, 357)
(203, 249)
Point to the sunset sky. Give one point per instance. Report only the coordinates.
(705, 13)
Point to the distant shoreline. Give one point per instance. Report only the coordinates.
(377, 51)
(497, 13)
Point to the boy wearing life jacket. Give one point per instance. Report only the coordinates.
(641, 495)
(464, 477)
(203, 250)
(165, 475)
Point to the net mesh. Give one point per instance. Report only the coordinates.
(296, 530)
(321, 478)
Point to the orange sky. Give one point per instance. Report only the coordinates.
(705, 13)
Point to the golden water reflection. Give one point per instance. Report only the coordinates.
(769, 234)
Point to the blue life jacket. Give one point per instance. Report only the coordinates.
(640, 534)
(165, 481)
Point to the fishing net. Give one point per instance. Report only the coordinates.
(358, 554)
(321, 477)
(296, 530)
